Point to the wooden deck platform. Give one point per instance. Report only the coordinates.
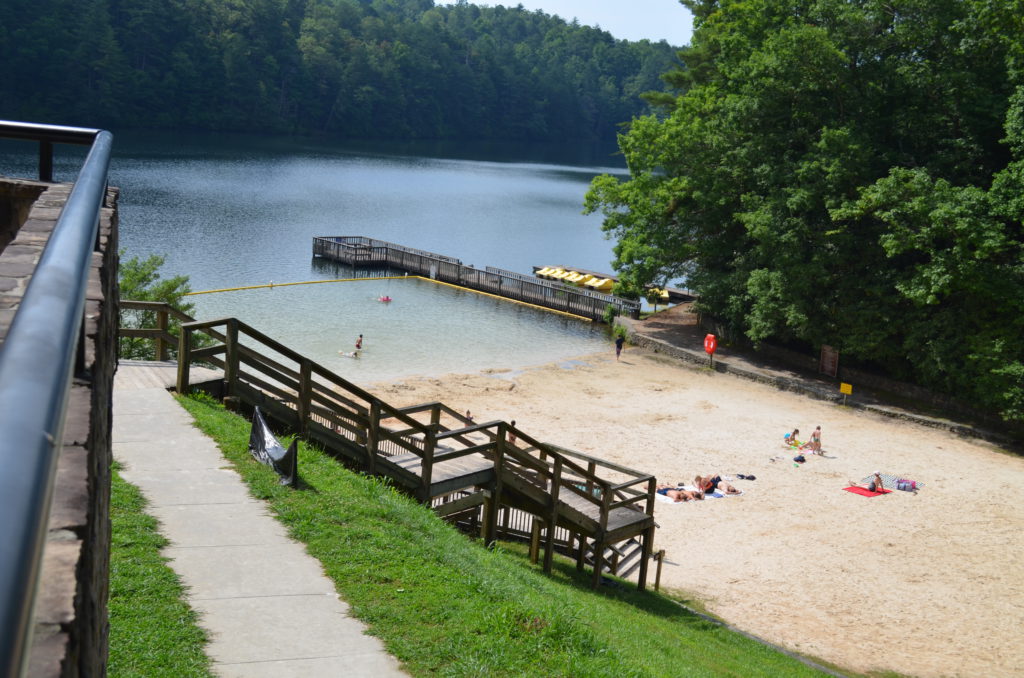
(447, 476)
(157, 374)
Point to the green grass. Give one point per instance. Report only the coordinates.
(153, 631)
(446, 606)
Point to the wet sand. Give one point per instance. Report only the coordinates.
(926, 584)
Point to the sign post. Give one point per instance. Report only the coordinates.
(845, 389)
(710, 344)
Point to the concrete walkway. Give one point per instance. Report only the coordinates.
(265, 603)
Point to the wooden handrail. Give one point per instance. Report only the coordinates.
(555, 467)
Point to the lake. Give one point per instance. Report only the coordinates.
(235, 211)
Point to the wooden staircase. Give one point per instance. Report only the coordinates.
(430, 451)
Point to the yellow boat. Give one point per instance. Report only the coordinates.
(548, 271)
(560, 275)
(601, 284)
(585, 279)
(573, 277)
(662, 294)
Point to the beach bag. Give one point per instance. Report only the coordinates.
(799, 459)
(906, 485)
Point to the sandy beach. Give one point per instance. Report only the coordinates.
(925, 584)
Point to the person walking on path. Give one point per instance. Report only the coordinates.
(619, 341)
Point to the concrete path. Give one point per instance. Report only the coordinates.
(266, 604)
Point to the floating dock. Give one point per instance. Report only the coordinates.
(359, 251)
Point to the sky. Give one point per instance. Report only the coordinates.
(625, 19)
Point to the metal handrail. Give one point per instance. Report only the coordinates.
(47, 136)
(37, 361)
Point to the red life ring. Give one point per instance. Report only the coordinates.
(710, 344)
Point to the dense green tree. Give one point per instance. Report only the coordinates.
(842, 172)
(140, 280)
(351, 68)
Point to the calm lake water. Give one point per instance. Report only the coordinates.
(232, 211)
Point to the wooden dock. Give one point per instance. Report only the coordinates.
(358, 251)
(580, 504)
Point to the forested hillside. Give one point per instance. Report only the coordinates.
(844, 172)
(348, 68)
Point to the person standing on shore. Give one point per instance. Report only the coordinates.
(619, 341)
(359, 342)
(814, 444)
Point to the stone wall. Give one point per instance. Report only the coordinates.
(71, 628)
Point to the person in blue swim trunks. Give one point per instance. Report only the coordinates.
(710, 483)
(677, 494)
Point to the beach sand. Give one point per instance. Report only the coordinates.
(926, 584)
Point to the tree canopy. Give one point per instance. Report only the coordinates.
(395, 69)
(843, 172)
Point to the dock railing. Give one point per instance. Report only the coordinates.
(362, 251)
(37, 361)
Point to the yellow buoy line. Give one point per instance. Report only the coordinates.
(388, 277)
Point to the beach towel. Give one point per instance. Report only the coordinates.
(889, 480)
(712, 495)
(865, 492)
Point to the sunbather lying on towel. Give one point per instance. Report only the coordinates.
(875, 485)
(710, 483)
(677, 494)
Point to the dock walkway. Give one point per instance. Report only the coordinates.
(361, 252)
(224, 544)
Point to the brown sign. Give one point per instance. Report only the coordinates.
(829, 363)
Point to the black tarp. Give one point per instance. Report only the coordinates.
(263, 446)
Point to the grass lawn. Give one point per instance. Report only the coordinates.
(153, 631)
(446, 606)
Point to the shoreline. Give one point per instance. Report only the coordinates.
(930, 584)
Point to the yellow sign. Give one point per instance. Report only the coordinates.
(846, 389)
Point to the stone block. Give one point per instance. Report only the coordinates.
(49, 647)
(55, 601)
(71, 496)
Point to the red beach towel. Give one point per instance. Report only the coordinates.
(865, 492)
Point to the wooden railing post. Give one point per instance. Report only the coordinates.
(305, 395)
(184, 358)
(657, 576)
(161, 344)
(646, 544)
(534, 539)
(427, 464)
(599, 543)
(231, 357)
(493, 505)
(373, 437)
(552, 518)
